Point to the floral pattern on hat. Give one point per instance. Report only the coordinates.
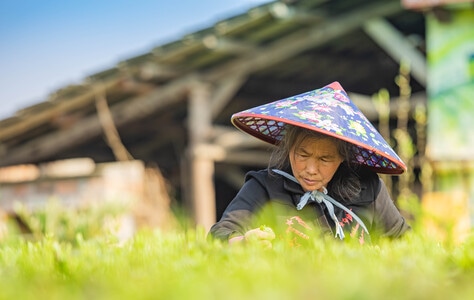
(327, 110)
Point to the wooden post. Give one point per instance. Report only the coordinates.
(201, 165)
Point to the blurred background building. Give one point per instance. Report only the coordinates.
(170, 108)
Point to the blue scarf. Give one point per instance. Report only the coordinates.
(323, 197)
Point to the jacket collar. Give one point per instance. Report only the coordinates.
(292, 187)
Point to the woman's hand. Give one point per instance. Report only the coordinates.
(263, 235)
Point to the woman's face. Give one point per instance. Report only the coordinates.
(314, 162)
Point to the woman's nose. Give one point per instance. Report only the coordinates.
(312, 167)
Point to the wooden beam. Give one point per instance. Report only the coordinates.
(224, 92)
(252, 158)
(286, 16)
(199, 121)
(201, 165)
(90, 127)
(67, 105)
(152, 70)
(281, 10)
(166, 136)
(227, 45)
(110, 130)
(229, 138)
(303, 40)
(180, 51)
(397, 46)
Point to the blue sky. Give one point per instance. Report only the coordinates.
(48, 44)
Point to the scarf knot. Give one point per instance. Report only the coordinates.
(319, 197)
(324, 198)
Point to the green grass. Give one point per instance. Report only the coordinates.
(184, 265)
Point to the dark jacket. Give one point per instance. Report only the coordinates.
(265, 194)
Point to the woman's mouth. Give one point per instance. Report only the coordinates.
(310, 182)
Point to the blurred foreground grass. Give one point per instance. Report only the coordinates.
(182, 264)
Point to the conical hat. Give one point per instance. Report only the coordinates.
(327, 110)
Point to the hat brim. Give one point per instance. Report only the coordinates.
(397, 166)
(269, 126)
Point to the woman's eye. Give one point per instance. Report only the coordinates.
(328, 160)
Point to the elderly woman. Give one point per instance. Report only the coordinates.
(322, 175)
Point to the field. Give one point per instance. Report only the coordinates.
(183, 264)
